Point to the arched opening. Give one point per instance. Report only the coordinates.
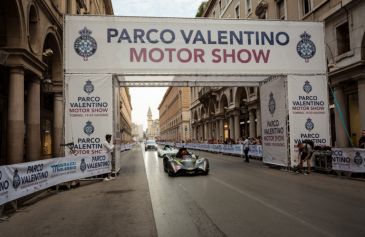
(51, 56)
(33, 29)
(11, 32)
(241, 99)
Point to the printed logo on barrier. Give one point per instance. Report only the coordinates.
(309, 125)
(83, 165)
(88, 87)
(1, 174)
(16, 179)
(85, 45)
(89, 128)
(306, 48)
(272, 104)
(307, 87)
(358, 158)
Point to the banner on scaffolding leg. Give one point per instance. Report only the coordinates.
(88, 112)
(308, 112)
(274, 128)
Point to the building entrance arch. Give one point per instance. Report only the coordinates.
(286, 59)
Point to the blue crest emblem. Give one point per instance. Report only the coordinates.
(83, 165)
(272, 104)
(88, 87)
(309, 125)
(307, 87)
(16, 179)
(89, 128)
(85, 45)
(306, 48)
(358, 159)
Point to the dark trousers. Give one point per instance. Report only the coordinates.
(246, 154)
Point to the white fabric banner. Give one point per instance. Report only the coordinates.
(308, 112)
(176, 46)
(348, 159)
(88, 112)
(22, 179)
(273, 118)
(237, 149)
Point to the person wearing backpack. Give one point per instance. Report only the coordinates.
(306, 149)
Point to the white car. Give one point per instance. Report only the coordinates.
(150, 145)
(167, 149)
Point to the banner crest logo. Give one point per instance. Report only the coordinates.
(85, 45)
(83, 165)
(16, 180)
(272, 104)
(89, 128)
(307, 87)
(306, 48)
(309, 125)
(358, 158)
(88, 87)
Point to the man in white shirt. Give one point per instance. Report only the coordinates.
(108, 147)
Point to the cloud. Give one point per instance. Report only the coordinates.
(159, 8)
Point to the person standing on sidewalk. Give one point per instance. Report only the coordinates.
(246, 148)
(108, 148)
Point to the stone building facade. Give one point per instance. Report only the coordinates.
(153, 129)
(175, 114)
(125, 114)
(345, 50)
(31, 72)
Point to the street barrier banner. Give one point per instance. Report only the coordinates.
(237, 149)
(88, 112)
(308, 112)
(22, 179)
(125, 147)
(273, 117)
(348, 159)
(177, 46)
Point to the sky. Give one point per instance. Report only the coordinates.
(143, 97)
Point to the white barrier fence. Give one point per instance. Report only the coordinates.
(348, 159)
(237, 149)
(125, 147)
(22, 179)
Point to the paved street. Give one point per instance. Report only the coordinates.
(235, 199)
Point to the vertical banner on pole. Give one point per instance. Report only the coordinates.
(308, 112)
(273, 118)
(88, 112)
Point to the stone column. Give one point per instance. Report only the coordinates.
(33, 139)
(205, 130)
(237, 125)
(252, 124)
(221, 129)
(361, 94)
(217, 129)
(57, 125)
(258, 124)
(341, 137)
(231, 127)
(15, 130)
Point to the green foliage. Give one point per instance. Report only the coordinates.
(201, 9)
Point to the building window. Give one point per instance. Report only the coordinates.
(248, 7)
(281, 9)
(306, 6)
(343, 38)
(237, 11)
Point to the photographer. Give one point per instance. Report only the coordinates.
(306, 149)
